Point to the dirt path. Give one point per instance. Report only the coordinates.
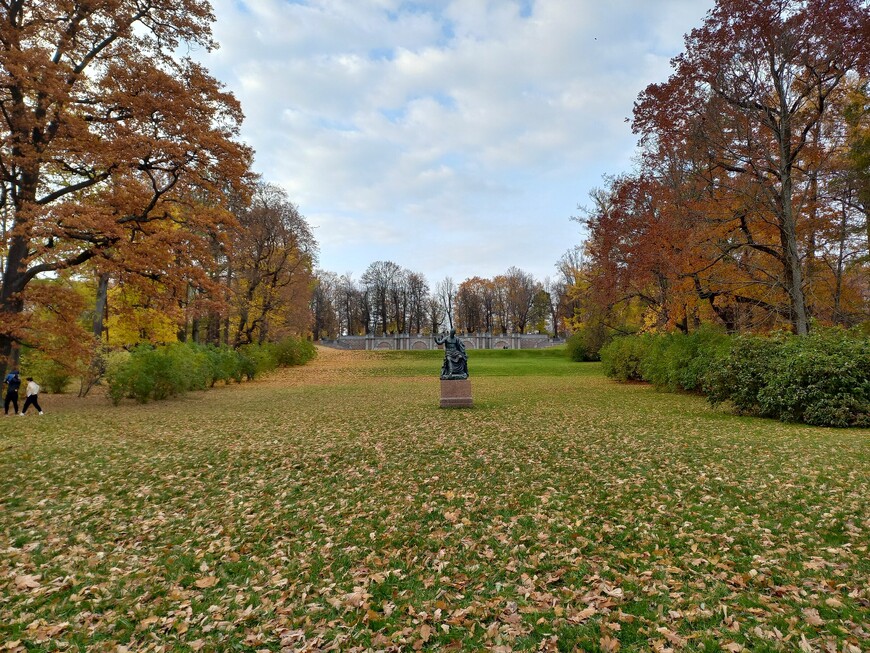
(330, 366)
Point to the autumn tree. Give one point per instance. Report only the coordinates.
(475, 304)
(273, 255)
(435, 313)
(555, 291)
(418, 296)
(753, 88)
(856, 160)
(470, 314)
(539, 313)
(445, 295)
(354, 307)
(520, 291)
(380, 279)
(399, 297)
(324, 305)
(114, 149)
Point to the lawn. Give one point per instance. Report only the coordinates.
(336, 507)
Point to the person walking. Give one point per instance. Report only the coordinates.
(32, 393)
(13, 382)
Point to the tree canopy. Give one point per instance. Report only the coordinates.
(747, 206)
(115, 152)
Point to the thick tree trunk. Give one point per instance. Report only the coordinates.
(794, 281)
(101, 305)
(11, 304)
(213, 332)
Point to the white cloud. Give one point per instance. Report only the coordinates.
(493, 118)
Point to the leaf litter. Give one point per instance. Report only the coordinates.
(335, 507)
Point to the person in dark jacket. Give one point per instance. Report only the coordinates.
(13, 382)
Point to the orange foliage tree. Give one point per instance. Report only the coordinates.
(273, 255)
(114, 151)
(740, 201)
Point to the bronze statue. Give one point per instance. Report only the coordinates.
(455, 359)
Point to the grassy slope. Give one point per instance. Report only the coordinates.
(337, 504)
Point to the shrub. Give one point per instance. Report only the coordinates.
(118, 375)
(621, 359)
(55, 377)
(258, 359)
(679, 361)
(742, 373)
(146, 373)
(224, 364)
(585, 343)
(576, 348)
(51, 374)
(294, 351)
(155, 374)
(821, 379)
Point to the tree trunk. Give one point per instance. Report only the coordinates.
(11, 304)
(794, 281)
(838, 317)
(102, 305)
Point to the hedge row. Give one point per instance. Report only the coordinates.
(147, 373)
(821, 379)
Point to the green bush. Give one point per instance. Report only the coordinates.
(677, 361)
(294, 351)
(50, 374)
(621, 359)
(55, 377)
(821, 379)
(119, 375)
(742, 373)
(146, 373)
(585, 344)
(576, 348)
(258, 359)
(224, 364)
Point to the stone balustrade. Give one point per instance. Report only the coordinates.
(410, 341)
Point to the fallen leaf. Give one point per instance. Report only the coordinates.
(207, 581)
(27, 582)
(812, 617)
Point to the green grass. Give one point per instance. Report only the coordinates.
(337, 505)
(485, 362)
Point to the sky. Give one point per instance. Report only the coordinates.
(456, 138)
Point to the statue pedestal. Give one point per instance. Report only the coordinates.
(456, 394)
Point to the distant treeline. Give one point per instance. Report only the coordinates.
(391, 299)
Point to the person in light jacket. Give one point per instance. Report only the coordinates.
(32, 393)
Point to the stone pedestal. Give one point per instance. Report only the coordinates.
(456, 394)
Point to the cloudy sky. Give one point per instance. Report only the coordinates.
(453, 137)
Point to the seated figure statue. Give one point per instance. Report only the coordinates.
(455, 359)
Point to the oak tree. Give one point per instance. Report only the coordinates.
(113, 149)
(754, 88)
